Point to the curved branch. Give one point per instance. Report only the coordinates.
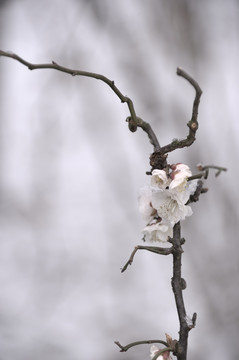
(158, 159)
(199, 190)
(192, 124)
(154, 249)
(127, 347)
(133, 120)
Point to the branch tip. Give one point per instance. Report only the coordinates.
(192, 124)
(194, 318)
(120, 346)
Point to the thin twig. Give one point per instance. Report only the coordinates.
(154, 249)
(158, 160)
(127, 347)
(193, 123)
(205, 170)
(133, 120)
(199, 190)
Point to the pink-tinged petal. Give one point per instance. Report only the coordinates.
(179, 176)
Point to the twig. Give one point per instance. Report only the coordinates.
(154, 249)
(205, 171)
(199, 190)
(127, 347)
(133, 120)
(193, 123)
(147, 128)
(158, 158)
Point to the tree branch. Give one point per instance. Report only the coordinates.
(127, 347)
(178, 285)
(205, 171)
(193, 123)
(133, 120)
(154, 249)
(158, 158)
(199, 190)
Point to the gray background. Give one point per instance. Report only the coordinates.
(70, 172)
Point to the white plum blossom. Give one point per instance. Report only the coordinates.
(170, 204)
(164, 203)
(179, 176)
(145, 204)
(157, 231)
(159, 179)
(154, 350)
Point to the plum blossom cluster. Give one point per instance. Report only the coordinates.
(163, 203)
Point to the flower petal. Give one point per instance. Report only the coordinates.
(159, 179)
(145, 203)
(157, 231)
(179, 176)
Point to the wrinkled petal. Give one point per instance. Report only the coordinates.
(180, 196)
(154, 350)
(170, 205)
(163, 203)
(159, 179)
(157, 231)
(145, 203)
(192, 186)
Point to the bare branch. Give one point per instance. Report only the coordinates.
(127, 347)
(158, 158)
(178, 287)
(154, 249)
(133, 120)
(199, 190)
(206, 169)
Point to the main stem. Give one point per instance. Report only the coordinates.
(177, 285)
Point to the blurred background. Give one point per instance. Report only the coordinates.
(71, 170)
